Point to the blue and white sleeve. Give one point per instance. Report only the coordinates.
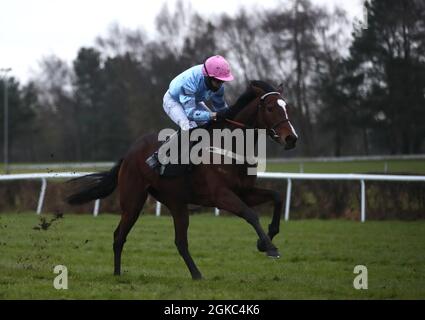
(188, 101)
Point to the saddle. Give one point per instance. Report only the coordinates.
(179, 169)
(174, 170)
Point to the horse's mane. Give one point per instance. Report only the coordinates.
(249, 95)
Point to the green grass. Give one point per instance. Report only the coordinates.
(318, 258)
(378, 166)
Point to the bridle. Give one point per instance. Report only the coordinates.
(271, 131)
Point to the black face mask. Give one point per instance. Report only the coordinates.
(210, 86)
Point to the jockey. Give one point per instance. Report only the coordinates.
(184, 102)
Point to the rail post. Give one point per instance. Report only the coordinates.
(363, 201)
(288, 199)
(96, 208)
(158, 209)
(42, 194)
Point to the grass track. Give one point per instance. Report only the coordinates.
(318, 258)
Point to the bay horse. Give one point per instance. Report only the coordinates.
(224, 186)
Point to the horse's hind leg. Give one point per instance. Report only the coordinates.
(257, 196)
(181, 224)
(128, 219)
(132, 198)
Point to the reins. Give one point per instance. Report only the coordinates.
(239, 124)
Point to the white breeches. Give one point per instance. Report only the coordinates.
(175, 111)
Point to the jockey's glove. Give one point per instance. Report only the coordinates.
(221, 115)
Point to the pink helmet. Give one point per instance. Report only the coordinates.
(217, 67)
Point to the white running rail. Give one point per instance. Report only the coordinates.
(264, 175)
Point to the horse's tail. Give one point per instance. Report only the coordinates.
(95, 186)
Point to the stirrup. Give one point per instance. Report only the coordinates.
(153, 161)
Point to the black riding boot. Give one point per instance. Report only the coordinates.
(174, 168)
(153, 161)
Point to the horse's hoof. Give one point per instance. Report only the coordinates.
(261, 246)
(197, 276)
(273, 253)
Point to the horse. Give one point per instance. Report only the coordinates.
(224, 186)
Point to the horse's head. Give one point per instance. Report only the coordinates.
(267, 110)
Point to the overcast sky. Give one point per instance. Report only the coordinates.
(31, 29)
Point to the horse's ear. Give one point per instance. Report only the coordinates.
(280, 88)
(258, 91)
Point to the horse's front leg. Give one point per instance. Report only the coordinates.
(227, 200)
(256, 196)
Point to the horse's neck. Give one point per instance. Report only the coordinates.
(248, 115)
(231, 126)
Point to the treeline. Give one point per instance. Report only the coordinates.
(359, 93)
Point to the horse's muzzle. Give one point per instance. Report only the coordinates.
(290, 142)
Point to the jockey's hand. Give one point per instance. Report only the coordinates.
(220, 116)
